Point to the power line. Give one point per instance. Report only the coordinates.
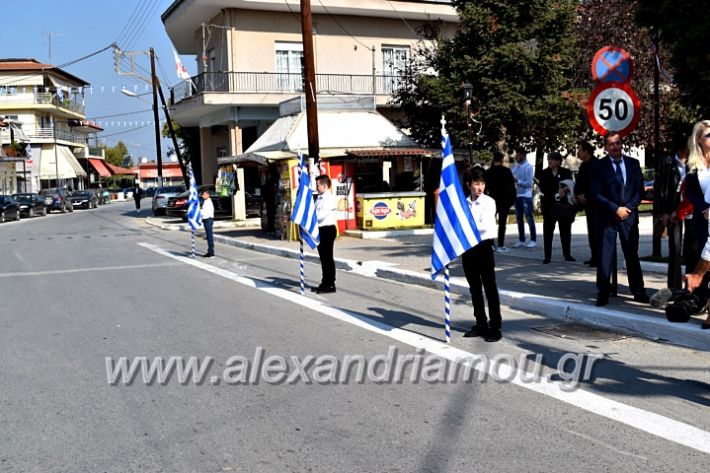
(144, 23)
(123, 132)
(342, 27)
(120, 114)
(128, 22)
(61, 66)
(136, 20)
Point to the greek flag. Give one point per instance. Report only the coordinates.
(454, 228)
(304, 209)
(194, 216)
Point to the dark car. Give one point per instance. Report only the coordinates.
(177, 205)
(31, 204)
(649, 177)
(60, 200)
(150, 192)
(84, 199)
(9, 209)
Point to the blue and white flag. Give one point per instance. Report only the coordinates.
(455, 230)
(194, 215)
(304, 209)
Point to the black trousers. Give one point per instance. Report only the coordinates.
(629, 237)
(503, 212)
(549, 221)
(592, 234)
(325, 251)
(479, 267)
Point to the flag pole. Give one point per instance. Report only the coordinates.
(193, 243)
(447, 308)
(303, 281)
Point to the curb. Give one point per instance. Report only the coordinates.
(687, 335)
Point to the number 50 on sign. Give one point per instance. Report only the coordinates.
(613, 107)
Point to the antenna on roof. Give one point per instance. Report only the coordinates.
(49, 38)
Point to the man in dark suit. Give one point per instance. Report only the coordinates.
(617, 188)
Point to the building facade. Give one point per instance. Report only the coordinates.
(48, 103)
(250, 58)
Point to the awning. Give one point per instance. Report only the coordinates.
(387, 152)
(241, 159)
(338, 131)
(118, 170)
(99, 167)
(152, 172)
(53, 164)
(71, 159)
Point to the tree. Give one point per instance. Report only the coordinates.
(188, 142)
(518, 56)
(683, 30)
(115, 154)
(612, 22)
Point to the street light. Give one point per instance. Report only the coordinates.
(467, 98)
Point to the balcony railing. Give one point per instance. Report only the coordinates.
(41, 98)
(278, 83)
(48, 134)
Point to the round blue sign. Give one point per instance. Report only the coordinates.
(612, 64)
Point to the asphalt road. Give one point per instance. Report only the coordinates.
(81, 291)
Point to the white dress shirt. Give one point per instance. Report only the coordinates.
(207, 209)
(483, 210)
(327, 209)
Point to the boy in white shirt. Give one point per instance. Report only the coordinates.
(207, 221)
(327, 213)
(479, 261)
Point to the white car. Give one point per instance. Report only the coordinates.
(162, 194)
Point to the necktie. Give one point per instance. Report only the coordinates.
(620, 178)
(619, 174)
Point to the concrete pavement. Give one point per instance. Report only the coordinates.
(560, 290)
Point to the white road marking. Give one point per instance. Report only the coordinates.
(654, 424)
(85, 270)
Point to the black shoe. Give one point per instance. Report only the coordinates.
(493, 335)
(588, 262)
(602, 300)
(546, 261)
(642, 297)
(326, 289)
(316, 288)
(476, 331)
(570, 258)
(208, 255)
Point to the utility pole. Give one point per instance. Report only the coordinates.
(156, 118)
(310, 81)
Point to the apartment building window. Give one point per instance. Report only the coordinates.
(289, 66)
(394, 62)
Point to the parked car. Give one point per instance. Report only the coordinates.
(9, 209)
(177, 205)
(31, 204)
(649, 177)
(86, 199)
(128, 192)
(162, 194)
(60, 199)
(150, 192)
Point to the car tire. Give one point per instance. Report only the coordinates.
(44, 212)
(2, 216)
(17, 216)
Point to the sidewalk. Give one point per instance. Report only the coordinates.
(560, 290)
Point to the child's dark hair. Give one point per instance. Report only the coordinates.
(474, 174)
(323, 179)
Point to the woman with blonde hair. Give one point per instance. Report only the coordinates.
(698, 193)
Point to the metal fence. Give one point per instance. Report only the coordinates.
(278, 83)
(42, 98)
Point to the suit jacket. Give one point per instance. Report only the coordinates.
(584, 177)
(608, 194)
(549, 186)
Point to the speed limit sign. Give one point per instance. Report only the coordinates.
(613, 107)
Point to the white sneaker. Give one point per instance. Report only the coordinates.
(518, 244)
(531, 244)
(502, 249)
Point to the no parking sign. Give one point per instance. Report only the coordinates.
(613, 106)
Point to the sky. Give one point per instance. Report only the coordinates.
(82, 27)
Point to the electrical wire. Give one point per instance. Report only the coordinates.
(401, 17)
(298, 17)
(144, 23)
(136, 24)
(120, 114)
(342, 27)
(128, 22)
(99, 135)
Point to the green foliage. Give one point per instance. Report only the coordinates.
(517, 55)
(188, 140)
(683, 29)
(115, 154)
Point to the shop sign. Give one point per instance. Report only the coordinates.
(380, 210)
